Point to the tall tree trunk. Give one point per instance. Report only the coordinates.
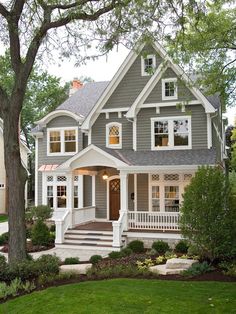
(16, 179)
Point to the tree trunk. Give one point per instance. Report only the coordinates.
(16, 179)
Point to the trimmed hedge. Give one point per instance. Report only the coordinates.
(136, 246)
(160, 247)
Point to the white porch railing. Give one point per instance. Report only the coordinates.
(62, 222)
(118, 228)
(83, 215)
(153, 220)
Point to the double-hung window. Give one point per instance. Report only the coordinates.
(171, 133)
(62, 141)
(169, 89)
(114, 135)
(148, 65)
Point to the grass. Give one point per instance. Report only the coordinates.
(128, 296)
(3, 218)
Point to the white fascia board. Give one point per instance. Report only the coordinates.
(88, 122)
(36, 134)
(167, 168)
(123, 109)
(66, 165)
(24, 146)
(147, 90)
(179, 71)
(170, 104)
(58, 113)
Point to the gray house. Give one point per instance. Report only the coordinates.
(113, 160)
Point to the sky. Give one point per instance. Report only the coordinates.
(104, 69)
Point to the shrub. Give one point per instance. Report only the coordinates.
(198, 269)
(48, 264)
(94, 259)
(160, 247)
(28, 232)
(40, 234)
(136, 246)
(182, 247)
(4, 238)
(126, 251)
(52, 228)
(71, 260)
(229, 268)
(208, 217)
(114, 254)
(42, 212)
(169, 255)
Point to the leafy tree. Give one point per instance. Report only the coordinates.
(233, 154)
(205, 42)
(208, 217)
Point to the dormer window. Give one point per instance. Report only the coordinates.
(62, 141)
(169, 89)
(114, 135)
(148, 65)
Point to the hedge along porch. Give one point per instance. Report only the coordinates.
(102, 186)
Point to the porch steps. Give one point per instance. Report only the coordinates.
(88, 239)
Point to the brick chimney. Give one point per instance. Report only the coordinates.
(75, 85)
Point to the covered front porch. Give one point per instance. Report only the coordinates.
(96, 187)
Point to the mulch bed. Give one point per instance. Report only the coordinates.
(30, 248)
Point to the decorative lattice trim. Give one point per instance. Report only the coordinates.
(155, 177)
(187, 176)
(49, 178)
(61, 178)
(171, 177)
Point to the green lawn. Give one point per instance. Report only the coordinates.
(3, 218)
(129, 296)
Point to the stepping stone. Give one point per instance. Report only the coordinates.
(161, 270)
(76, 268)
(180, 263)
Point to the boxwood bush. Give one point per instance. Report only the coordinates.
(94, 259)
(71, 260)
(160, 247)
(136, 246)
(182, 247)
(40, 234)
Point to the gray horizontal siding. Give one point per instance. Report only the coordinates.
(142, 192)
(99, 130)
(87, 191)
(184, 93)
(199, 124)
(132, 83)
(130, 191)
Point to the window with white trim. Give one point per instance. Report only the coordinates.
(62, 141)
(169, 89)
(171, 133)
(172, 198)
(148, 65)
(114, 135)
(2, 186)
(155, 198)
(76, 196)
(61, 196)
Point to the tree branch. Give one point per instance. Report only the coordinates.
(3, 11)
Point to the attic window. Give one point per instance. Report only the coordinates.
(169, 89)
(148, 65)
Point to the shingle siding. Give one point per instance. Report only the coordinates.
(198, 118)
(99, 130)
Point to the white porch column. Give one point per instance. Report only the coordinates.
(70, 197)
(124, 196)
(93, 190)
(81, 190)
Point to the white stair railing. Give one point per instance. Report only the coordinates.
(153, 220)
(83, 215)
(62, 223)
(118, 228)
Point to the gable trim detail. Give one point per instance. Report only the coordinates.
(57, 113)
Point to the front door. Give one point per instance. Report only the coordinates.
(114, 188)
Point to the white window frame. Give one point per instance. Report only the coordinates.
(171, 133)
(62, 137)
(169, 80)
(2, 186)
(143, 72)
(119, 125)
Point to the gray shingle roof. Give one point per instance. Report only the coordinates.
(164, 158)
(82, 101)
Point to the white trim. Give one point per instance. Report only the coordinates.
(88, 122)
(116, 162)
(57, 113)
(209, 131)
(146, 90)
(108, 126)
(90, 136)
(124, 206)
(153, 235)
(107, 115)
(62, 141)
(171, 133)
(111, 110)
(36, 172)
(81, 190)
(143, 72)
(108, 192)
(170, 104)
(166, 168)
(135, 134)
(135, 192)
(169, 80)
(94, 190)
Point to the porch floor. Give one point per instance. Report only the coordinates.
(97, 226)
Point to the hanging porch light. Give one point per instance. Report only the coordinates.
(105, 175)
